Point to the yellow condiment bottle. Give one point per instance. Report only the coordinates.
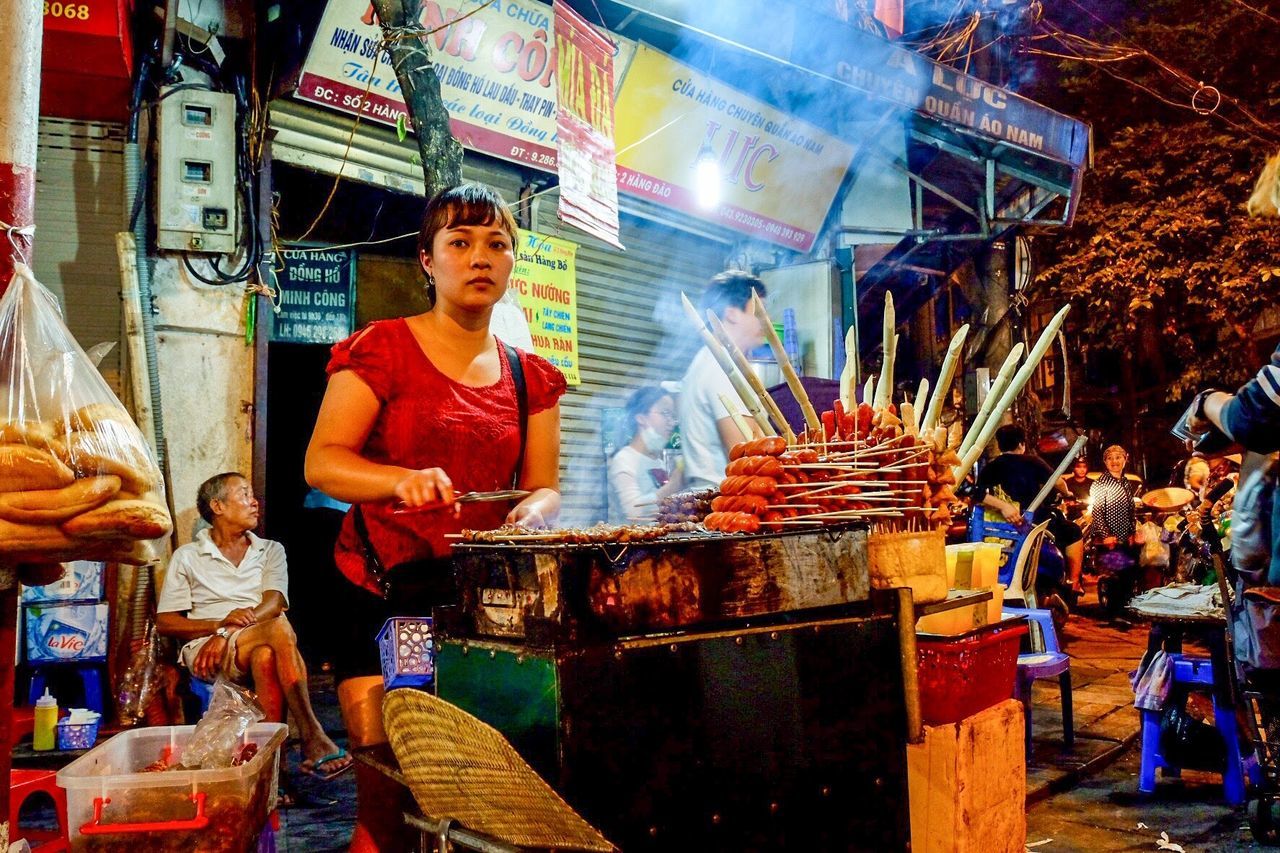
(46, 718)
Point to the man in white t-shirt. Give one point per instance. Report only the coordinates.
(706, 429)
(225, 594)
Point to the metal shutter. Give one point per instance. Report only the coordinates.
(79, 209)
(631, 329)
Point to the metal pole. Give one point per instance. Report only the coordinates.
(21, 28)
(22, 32)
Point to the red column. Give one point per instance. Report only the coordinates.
(21, 32)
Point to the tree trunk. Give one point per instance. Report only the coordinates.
(441, 154)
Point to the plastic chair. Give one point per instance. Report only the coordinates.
(90, 675)
(1022, 584)
(1195, 673)
(22, 785)
(1045, 660)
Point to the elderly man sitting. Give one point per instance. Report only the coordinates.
(225, 594)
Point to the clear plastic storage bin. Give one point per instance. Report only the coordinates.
(113, 805)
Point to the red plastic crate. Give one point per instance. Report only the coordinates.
(962, 675)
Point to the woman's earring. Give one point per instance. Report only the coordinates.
(431, 289)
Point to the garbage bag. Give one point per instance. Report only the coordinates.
(77, 479)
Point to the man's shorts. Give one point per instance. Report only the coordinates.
(187, 656)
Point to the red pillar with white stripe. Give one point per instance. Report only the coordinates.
(21, 33)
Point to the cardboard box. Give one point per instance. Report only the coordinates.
(968, 784)
(57, 633)
(81, 581)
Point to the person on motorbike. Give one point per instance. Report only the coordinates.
(1012, 480)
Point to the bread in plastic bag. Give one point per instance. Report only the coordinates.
(77, 479)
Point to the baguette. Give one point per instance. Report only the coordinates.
(120, 520)
(111, 448)
(38, 434)
(90, 416)
(17, 538)
(49, 506)
(24, 468)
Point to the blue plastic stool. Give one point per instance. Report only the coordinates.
(90, 682)
(1198, 673)
(202, 690)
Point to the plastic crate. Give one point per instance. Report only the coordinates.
(113, 805)
(407, 649)
(962, 675)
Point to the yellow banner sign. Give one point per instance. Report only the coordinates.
(775, 175)
(546, 284)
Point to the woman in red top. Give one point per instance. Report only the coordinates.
(417, 410)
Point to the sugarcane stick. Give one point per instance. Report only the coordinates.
(921, 400)
(811, 419)
(849, 376)
(884, 385)
(868, 389)
(726, 364)
(993, 396)
(1011, 393)
(1057, 475)
(753, 381)
(737, 417)
(943, 386)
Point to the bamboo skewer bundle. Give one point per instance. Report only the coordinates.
(736, 416)
(993, 396)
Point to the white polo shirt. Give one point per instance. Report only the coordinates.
(700, 407)
(204, 583)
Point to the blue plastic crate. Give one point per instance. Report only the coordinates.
(408, 652)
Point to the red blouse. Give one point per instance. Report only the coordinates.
(428, 420)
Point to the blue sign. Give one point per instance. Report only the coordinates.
(317, 295)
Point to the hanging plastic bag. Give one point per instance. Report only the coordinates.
(217, 739)
(77, 479)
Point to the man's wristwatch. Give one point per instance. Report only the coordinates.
(1201, 399)
(222, 632)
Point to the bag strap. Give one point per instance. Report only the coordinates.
(371, 560)
(522, 403)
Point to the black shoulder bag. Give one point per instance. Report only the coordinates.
(430, 582)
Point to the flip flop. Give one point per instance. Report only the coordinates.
(311, 767)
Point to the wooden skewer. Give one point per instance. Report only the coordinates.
(737, 417)
(753, 381)
(726, 364)
(811, 418)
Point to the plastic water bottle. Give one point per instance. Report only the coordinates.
(46, 718)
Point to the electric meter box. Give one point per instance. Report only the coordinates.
(196, 187)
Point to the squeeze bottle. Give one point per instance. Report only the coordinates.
(46, 717)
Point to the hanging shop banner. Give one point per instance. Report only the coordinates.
(584, 125)
(777, 174)
(496, 67)
(546, 283)
(317, 295)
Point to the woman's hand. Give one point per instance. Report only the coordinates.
(538, 510)
(429, 485)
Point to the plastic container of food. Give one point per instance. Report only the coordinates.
(962, 675)
(115, 804)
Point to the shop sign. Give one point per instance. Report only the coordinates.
(584, 125)
(496, 67)
(875, 66)
(778, 174)
(545, 280)
(317, 295)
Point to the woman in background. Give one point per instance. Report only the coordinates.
(638, 476)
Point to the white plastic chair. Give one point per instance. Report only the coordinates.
(1022, 586)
